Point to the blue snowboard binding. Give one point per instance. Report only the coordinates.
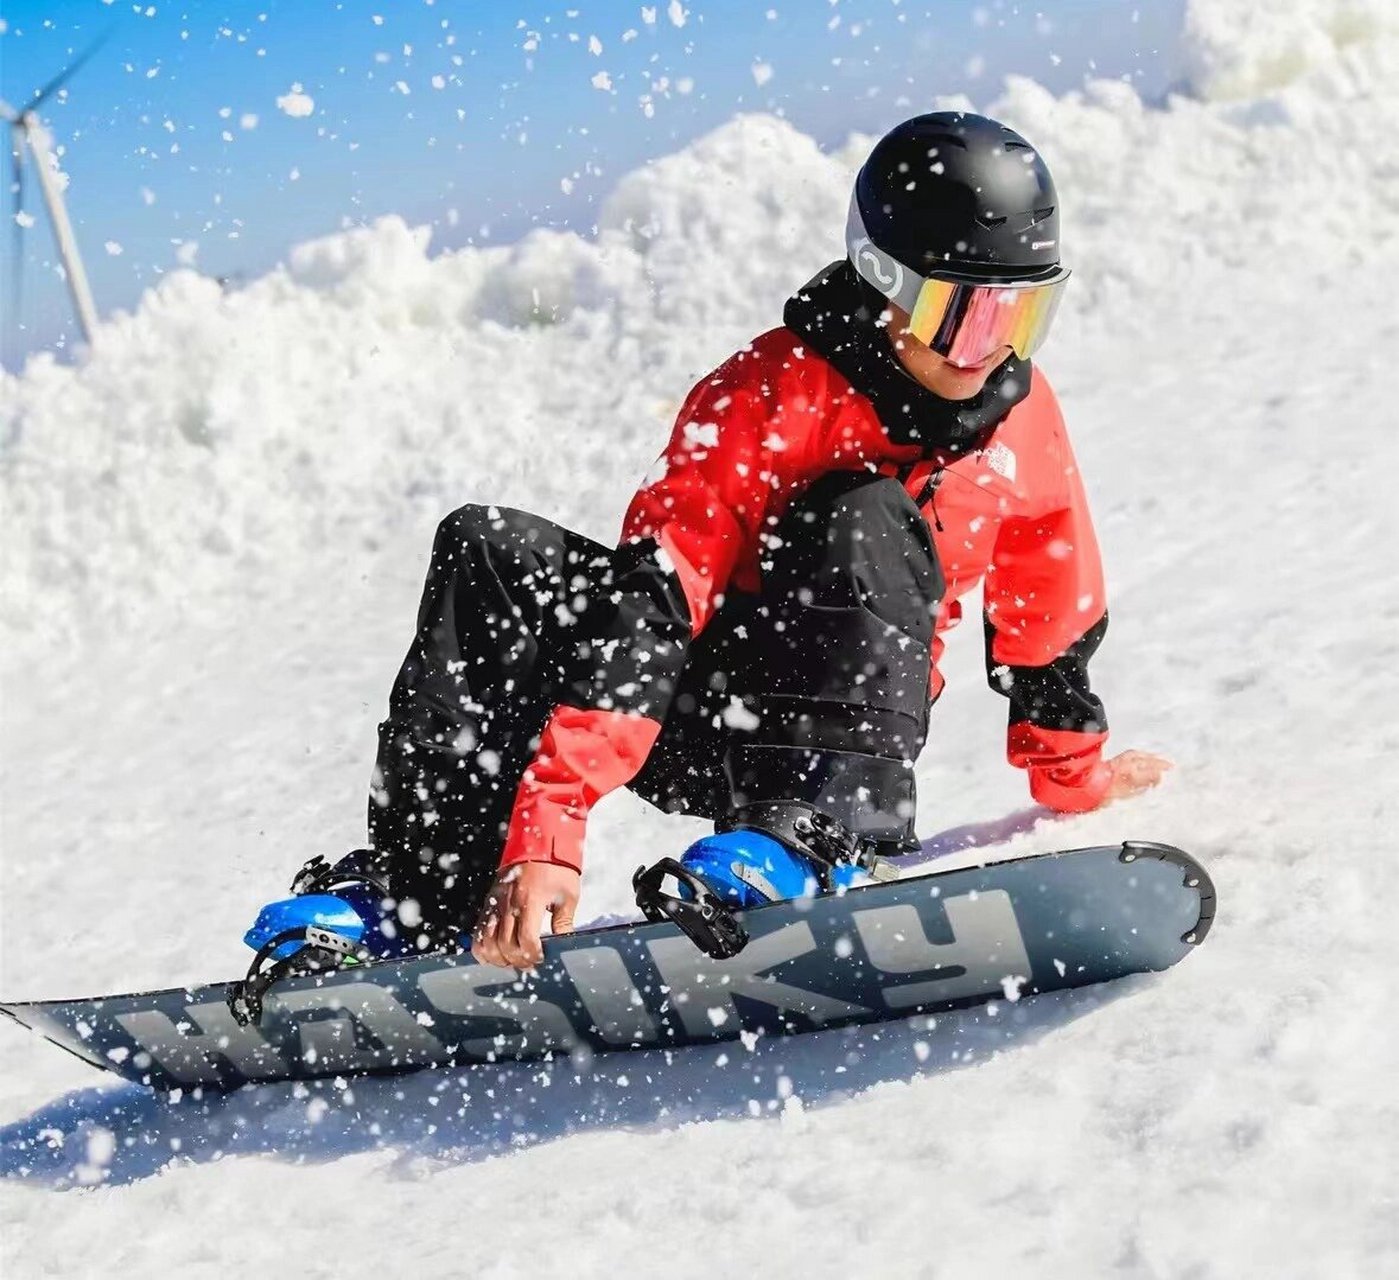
(767, 853)
(339, 914)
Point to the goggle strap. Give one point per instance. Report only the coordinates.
(877, 268)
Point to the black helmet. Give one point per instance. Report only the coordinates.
(957, 196)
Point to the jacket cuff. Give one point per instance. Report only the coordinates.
(1082, 789)
(1066, 766)
(542, 830)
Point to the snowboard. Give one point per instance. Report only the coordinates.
(920, 944)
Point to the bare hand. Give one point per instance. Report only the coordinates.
(1134, 772)
(507, 933)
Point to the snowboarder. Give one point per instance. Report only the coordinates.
(761, 649)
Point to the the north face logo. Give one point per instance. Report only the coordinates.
(1001, 460)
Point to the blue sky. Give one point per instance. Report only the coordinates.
(481, 118)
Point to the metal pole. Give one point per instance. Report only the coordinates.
(38, 140)
(17, 199)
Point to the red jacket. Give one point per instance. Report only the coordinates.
(755, 433)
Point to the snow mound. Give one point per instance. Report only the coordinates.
(1243, 49)
(216, 439)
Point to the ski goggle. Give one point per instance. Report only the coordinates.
(964, 321)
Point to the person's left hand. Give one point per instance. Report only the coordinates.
(1134, 772)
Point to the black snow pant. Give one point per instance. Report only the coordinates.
(814, 689)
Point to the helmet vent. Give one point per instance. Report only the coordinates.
(1040, 215)
(989, 222)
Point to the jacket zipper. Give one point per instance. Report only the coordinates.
(929, 494)
(929, 491)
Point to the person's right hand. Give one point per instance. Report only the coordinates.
(508, 932)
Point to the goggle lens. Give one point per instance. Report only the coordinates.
(965, 323)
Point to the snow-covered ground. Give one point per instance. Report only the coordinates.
(214, 533)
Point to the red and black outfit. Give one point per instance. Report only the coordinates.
(769, 627)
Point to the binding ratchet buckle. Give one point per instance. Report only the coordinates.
(321, 949)
(700, 916)
(829, 843)
(825, 841)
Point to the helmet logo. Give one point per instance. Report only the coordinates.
(878, 268)
(1041, 244)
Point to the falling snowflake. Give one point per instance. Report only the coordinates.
(297, 103)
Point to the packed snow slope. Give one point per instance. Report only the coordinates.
(215, 528)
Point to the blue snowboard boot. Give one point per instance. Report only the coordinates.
(349, 899)
(767, 853)
(746, 867)
(339, 914)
